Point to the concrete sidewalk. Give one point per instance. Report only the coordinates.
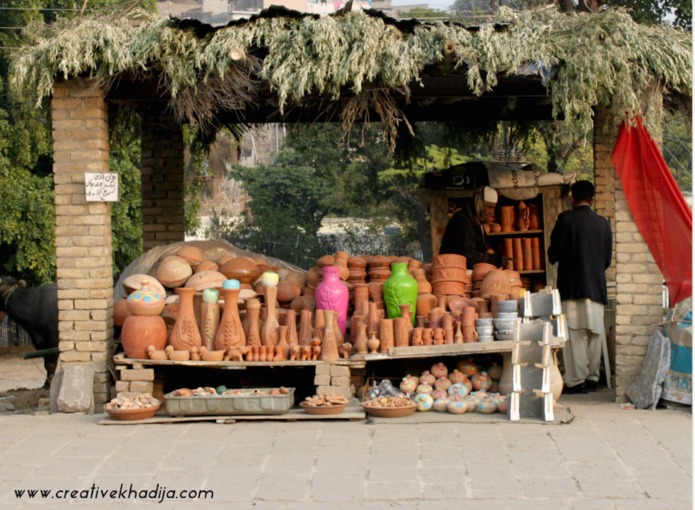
(608, 458)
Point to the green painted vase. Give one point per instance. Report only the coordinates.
(400, 289)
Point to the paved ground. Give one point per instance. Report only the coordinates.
(608, 458)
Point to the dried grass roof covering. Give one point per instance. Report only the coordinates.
(602, 60)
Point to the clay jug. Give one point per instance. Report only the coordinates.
(209, 317)
(185, 333)
(386, 335)
(400, 289)
(139, 331)
(373, 343)
(427, 336)
(306, 331)
(253, 322)
(329, 346)
(230, 334)
(417, 337)
(269, 330)
(291, 323)
(332, 294)
(361, 338)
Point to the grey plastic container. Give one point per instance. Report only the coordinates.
(223, 405)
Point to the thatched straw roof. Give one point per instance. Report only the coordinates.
(363, 61)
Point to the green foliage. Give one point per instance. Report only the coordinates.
(677, 148)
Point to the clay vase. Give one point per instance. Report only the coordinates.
(423, 285)
(425, 303)
(319, 322)
(230, 334)
(386, 335)
(361, 295)
(468, 315)
(458, 335)
(536, 256)
(375, 291)
(306, 331)
(507, 218)
(269, 330)
(209, 318)
(509, 253)
(333, 294)
(435, 316)
(329, 346)
(528, 253)
(361, 338)
(427, 336)
(291, 323)
(373, 344)
(406, 314)
(518, 255)
(470, 334)
(185, 333)
(283, 345)
(253, 322)
(139, 331)
(438, 336)
(400, 289)
(400, 332)
(339, 338)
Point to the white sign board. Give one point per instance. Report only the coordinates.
(101, 187)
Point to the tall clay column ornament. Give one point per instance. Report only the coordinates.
(269, 331)
(209, 317)
(230, 334)
(329, 346)
(332, 294)
(185, 333)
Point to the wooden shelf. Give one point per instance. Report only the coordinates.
(121, 359)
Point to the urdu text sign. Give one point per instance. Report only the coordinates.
(101, 187)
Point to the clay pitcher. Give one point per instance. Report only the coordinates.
(329, 346)
(185, 333)
(269, 330)
(230, 334)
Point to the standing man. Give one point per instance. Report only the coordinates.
(464, 234)
(581, 244)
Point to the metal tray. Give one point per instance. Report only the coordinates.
(222, 405)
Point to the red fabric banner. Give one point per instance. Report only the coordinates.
(658, 207)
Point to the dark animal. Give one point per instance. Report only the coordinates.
(36, 310)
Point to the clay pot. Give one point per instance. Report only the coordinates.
(145, 301)
(242, 269)
(534, 222)
(480, 270)
(205, 280)
(120, 311)
(191, 254)
(252, 323)
(439, 370)
(173, 271)
(425, 303)
(135, 281)
(206, 265)
(521, 217)
(139, 331)
(332, 294)
(424, 286)
(481, 381)
(495, 282)
(361, 295)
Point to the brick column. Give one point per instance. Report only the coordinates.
(162, 172)
(83, 230)
(638, 279)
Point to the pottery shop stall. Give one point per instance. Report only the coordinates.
(204, 321)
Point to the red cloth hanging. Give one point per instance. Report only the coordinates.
(658, 207)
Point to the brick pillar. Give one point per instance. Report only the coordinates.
(638, 279)
(162, 180)
(83, 230)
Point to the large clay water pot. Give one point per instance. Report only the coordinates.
(139, 331)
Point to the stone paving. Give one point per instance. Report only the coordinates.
(608, 458)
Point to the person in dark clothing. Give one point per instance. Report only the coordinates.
(581, 243)
(464, 233)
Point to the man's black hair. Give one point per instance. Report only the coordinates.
(582, 191)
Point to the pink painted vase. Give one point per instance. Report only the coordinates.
(332, 294)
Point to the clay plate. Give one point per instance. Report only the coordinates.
(322, 410)
(390, 412)
(132, 414)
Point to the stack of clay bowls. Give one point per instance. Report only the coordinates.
(379, 268)
(507, 315)
(480, 270)
(358, 270)
(449, 275)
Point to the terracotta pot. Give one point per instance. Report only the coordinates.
(319, 323)
(448, 326)
(206, 265)
(291, 323)
(145, 301)
(360, 344)
(191, 254)
(522, 217)
(205, 280)
(242, 269)
(425, 303)
(361, 295)
(139, 331)
(495, 282)
(417, 337)
(480, 270)
(185, 333)
(536, 255)
(373, 344)
(173, 271)
(518, 255)
(134, 282)
(427, 336)
(252, 322)
(449, 260)
(120, 312)
(386, 335)
(534, 222)
(468, 316)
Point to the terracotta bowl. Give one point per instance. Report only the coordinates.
(242, 269)
(206, 280)
(322, 410)
(132, 414)
(173, 271)
(134, 282)
(190, 254)
(213, 355)
(390, 412)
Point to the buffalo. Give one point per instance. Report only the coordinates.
(36, 310)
